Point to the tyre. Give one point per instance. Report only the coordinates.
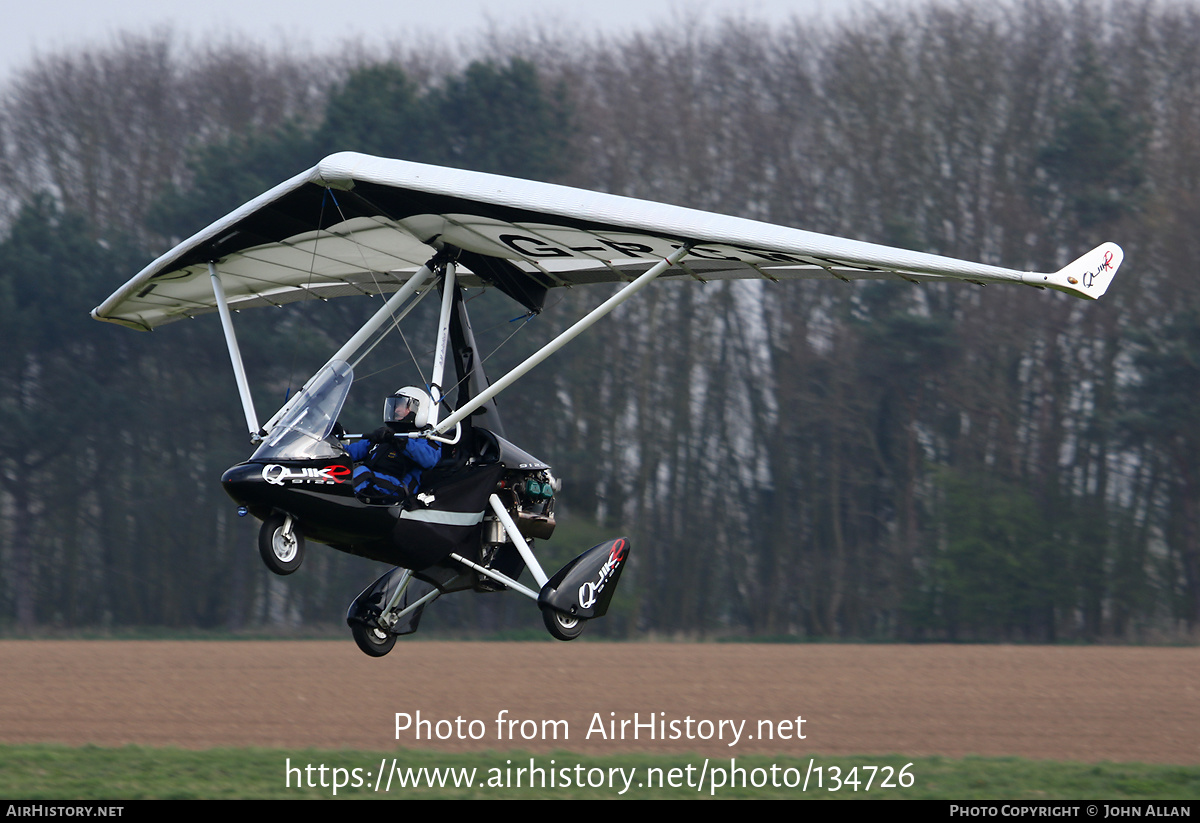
(562, 625)
(283, 552)
(374, 641)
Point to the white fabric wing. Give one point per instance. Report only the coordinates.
(357, 224)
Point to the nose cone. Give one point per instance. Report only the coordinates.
(246, 485)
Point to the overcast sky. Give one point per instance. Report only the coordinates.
(53, 25)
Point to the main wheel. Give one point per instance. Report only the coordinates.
(372, 640)
(562, 625)
(283, 552)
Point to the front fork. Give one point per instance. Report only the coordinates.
(390, 615)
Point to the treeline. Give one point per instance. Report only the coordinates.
(880, 460)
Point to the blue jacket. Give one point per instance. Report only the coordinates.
(392, 469)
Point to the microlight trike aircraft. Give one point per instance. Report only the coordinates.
(356, 225)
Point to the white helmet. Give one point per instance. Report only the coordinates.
(408, 409)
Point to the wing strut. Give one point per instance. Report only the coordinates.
(567, 336)
(386, 312)
(443, 341)
(235, 354)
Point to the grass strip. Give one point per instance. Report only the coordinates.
(53, 772)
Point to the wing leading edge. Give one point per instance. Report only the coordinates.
(356, 224)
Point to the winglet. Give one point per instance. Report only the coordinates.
(1089, 276)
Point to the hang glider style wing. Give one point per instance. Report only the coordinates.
(357, 224)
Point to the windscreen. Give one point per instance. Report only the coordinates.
(302, 432)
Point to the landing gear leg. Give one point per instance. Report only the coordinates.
(281, 544)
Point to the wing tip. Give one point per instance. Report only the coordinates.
(120, 321)
(1088, 277)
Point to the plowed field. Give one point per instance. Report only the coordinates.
(1084, 704)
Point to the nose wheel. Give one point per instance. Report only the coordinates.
(281, 544)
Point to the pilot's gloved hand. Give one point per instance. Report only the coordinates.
(381, 435)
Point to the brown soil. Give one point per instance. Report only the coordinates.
(1083, 704)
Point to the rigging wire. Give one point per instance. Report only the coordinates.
(395, 324)
(525, 318)
(312, 265)
(530, 315)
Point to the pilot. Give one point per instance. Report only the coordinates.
(391, 462)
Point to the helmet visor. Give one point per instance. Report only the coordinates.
(397, 408)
